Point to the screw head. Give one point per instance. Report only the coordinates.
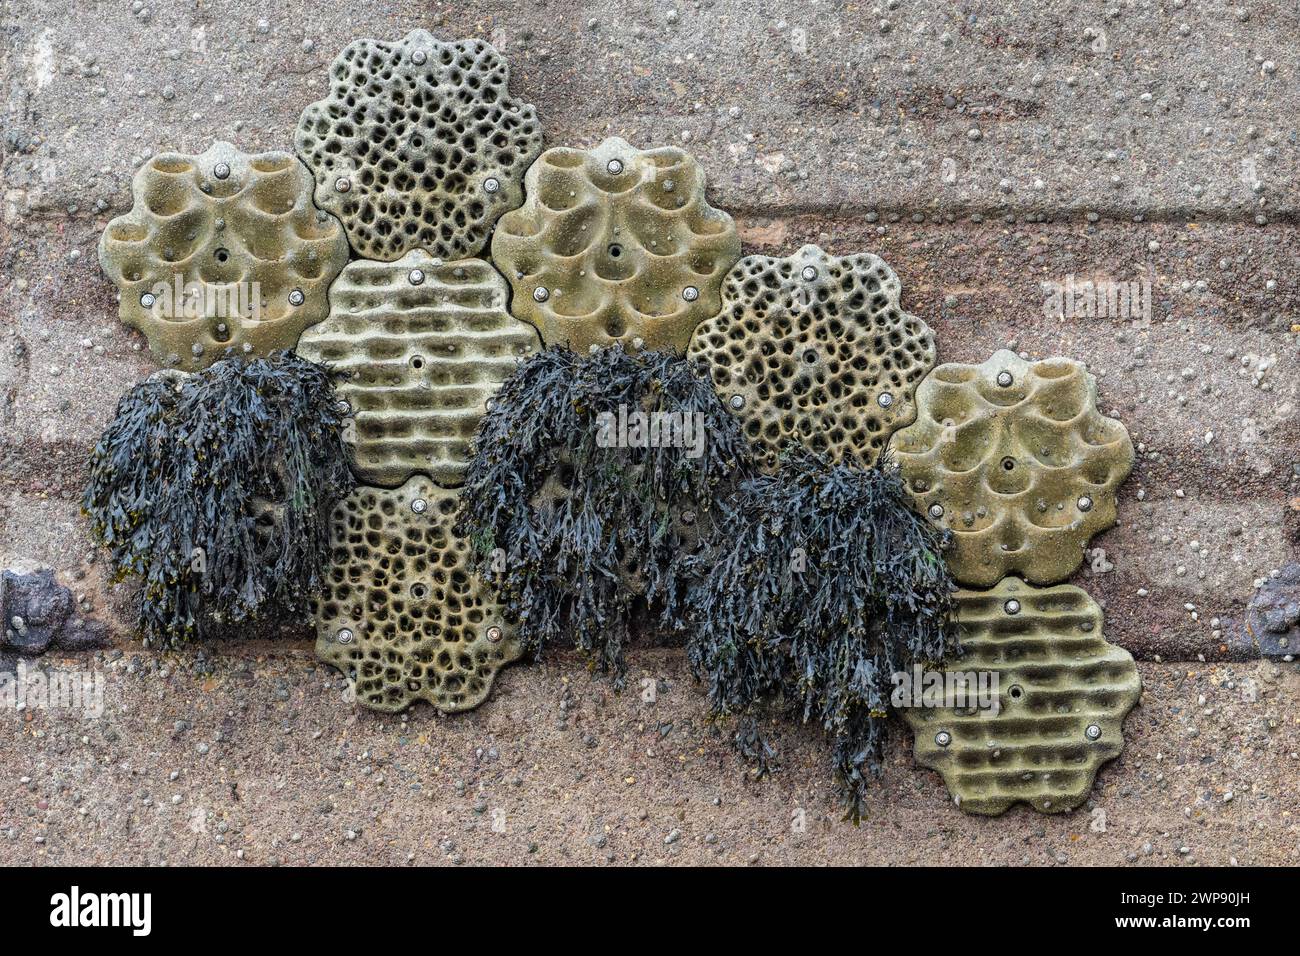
(885, 399)
(1093, 732)
(943, 738)
(688, 517)
(342, 184)
(415, 276)
(809, 273)
(936, 511)
(494, 634)
(541, 294)
(344, 407)
(418, 57)
(1085, 503)
(221, 170)
(1012, 606)
(614, 166)
(419, 506)
(1006, 379)
(147, 300)
(737, 402)
(296, 297)
(690, 293)
(344, 635)
(491, 184)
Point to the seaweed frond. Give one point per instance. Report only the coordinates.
(216, 488)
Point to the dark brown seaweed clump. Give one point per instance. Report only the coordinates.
(593, 485)
(216, 488)
(825, 584)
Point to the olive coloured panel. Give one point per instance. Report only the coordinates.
(421, 345)
(402, 611)
(419, 145)
(222, 251)
(615, 245)
(1058, 713)
(815, 349)
(1014, 457)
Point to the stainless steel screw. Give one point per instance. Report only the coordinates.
(491, 184)
(541, 294)
(344, 636)
(1012, 606)
(1093, 732)
(809, 273)
(690, 293)
(1085, 503)
(943, 738)
(615, 166)
(885, 399)
(419, 506)
(1006, 379)
(342, 184)
(147, 300)
(494, 634)
(936, 511)
(416, 276)
(221, 171)
(296, 297)
(418, 57)
(737, 402)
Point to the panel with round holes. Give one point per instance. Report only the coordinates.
(815, 349)
(615, 244)
(418, 145)
(1062, 693)
(1015, 458)
(222, 251)
(402, 611)
(421, 346)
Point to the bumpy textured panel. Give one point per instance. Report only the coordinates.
(814, 348)
(615, 244)
(422, 345)
(1016, 459)
(419, 145)
(402, 609)
(222, 250)
(1063, 693)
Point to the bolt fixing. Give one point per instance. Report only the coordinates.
(296, 297)
(885, 399)
(1012, 606)
(419, 506)
(221, 170)
(943, 738)
(416, 276)
(344, 635)
(1006, 379)
(690, 293)
(541, 294)
(809, 273)
(1093, 732)
(615, 166)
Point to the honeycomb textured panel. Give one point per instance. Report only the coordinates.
(615, 244)
(422, 345)
(402, 611)
(1057, 716)
(1016, 459)
(222, 250)
(418, 145)
(814, 348)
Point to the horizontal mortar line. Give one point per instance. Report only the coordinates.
(993, 215)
